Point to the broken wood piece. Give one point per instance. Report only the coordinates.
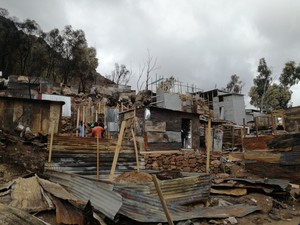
(98, 161)
(163, 202)
(208, 144)
(51, 142)
(234, 191)
(117, 151)
(136, 151)
(262, 156)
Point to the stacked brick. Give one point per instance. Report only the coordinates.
(183, 161)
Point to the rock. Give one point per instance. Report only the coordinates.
(215, 162)
(232, 220)
(81, 94)
(155, 165)
(222, 175)
(188, 222)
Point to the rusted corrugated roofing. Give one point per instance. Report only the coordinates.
(10, 215)
(100, 194)
(280, 183)
(178, 191)
(141, 202)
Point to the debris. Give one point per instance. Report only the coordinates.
(11, 215)
(232, 191)
(232, 220)
(133, 177)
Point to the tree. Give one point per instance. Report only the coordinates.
(121, 75)
(261, 84)
(71, 42)
(277, 97)
(290, 74)
(54, 48)
(31, 32)
(235, 85)
(148, 67)
(86, 66)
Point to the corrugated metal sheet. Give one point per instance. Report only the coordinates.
(290, 158)
(100, 194)
(10, 215)
(146, 209)
(141, 202)
(279, 183)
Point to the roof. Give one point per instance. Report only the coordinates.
(224, 93)
(30, 100)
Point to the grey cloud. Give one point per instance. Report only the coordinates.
(199, 42)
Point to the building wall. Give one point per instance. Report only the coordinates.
(169, 137)
(233, 108)
(35, 114)
(292, 119)
(169, 101)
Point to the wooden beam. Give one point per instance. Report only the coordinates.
(256, 125)
(98, 158)
(208, 145)
(162, 200)
(117, 151)
(136, 152)
(77, 122)
(51, 141)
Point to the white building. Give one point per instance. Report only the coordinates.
(226, 105)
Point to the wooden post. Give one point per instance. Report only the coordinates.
(232, 138)
(256, 126)
(96, 116)
(117, 150)
(162, 200)
(77, 122)
(136, 151)
(98, 157)
(51, 142)
(83, 121)
(244, 127)
(208, 145)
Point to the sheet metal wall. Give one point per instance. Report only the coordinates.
(35, 114)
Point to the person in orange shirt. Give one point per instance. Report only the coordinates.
(97, 130)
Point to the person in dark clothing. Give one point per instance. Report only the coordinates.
(101, 124)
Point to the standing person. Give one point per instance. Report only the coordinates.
(81, 129)
(97, 131)
(101, 124)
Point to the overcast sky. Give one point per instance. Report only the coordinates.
(200, 42)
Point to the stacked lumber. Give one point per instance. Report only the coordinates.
(87, 145)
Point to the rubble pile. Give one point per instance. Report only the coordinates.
(26, 154)
(184, 161)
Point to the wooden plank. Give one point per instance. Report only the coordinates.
(208, 145)
(162, 200)
(51, 141)
(129, 115)
(141, 142)
(262, 156)
(98, 158)
(155, 126)
(117, 151)
(156, 137)
(231, 191)
(136, 151)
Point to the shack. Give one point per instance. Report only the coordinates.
(165, 129)
(35, 114)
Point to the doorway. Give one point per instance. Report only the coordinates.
(186, 134)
